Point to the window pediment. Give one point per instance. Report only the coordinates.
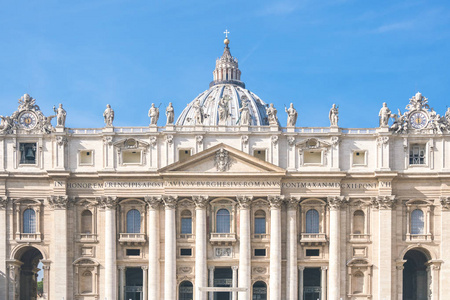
(313, 144)
(131, 144)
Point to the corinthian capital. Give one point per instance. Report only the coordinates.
(445, 202)
(153, 202)
(170, 201)
(59, 202)
(335, 202)
(383, 202)
(3, 201)
(244, 201)
(292, 203)
(276, 201)
(200, 201)
(108, 201)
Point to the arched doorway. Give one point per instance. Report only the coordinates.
(28, 282)
(259, 290)
(186, 291)
(415, 277)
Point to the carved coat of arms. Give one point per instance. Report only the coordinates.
(222, 161)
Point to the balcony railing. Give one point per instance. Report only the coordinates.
(88, 237)
(222, 238)
(186, 236)
(28, 237)
(131, 238)
(418, 237)
(313, 238)
(261, 236)
(359, 238)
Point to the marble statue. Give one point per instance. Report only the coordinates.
(170, 114)
(292, 115)
(108, 115)
(447, 115)
(153, 113)
(223, 109)
(6, 124)
(272, 115)
(198, 112)
(384, 114)
(334, 115)
(244, 118)
(60, 116)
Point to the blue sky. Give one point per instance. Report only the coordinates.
(358, 54)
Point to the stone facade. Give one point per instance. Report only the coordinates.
(248, 210)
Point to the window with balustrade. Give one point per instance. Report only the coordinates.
(419, 215)
(27, 219)
(312, 220)
(222, 221)
(260, 222)
(132, 225)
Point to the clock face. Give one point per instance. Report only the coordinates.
(28, 120)
(418, 120)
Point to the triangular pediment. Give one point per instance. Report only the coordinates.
(223, 159)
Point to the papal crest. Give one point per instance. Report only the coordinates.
(222, 160)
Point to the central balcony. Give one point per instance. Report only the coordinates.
(132, 238)
(222, 238)
(313, 239)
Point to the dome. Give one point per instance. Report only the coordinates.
(235, 97)
(226, 97)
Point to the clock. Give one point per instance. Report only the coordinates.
(28, 120)
(418, 120)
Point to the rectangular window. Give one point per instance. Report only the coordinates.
(260, 154)
(312, 252)
(184, 154)
(359, 158)
(260, 225)
(260, 252)
(131, 157)
(185, 252)
(312, 157)
(417, 154)
(86, 157)
(133, 252)
(27, 153)
(186, 225)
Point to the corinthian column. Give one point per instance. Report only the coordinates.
(3, 253)
(170, 251)
(60, 250)
(334, 278)
(153, 247)
(292, 271)
(275, 246)
(385, 204)
(109, 203)
(445, 243)
(201, 272)
(245, 249)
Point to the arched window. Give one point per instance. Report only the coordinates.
(29, 221)
(86, 222)
(358, 283)
(186, 222)
(358, 222)
(312, 221)
(133, 221)
(186, 291)
(86, 282)
(223, 221)
(260, 222)
(417, 223)
(259, 290)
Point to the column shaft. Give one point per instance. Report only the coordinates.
(334, 278)
(60, 260)
(292, 270)
(245, 250)
(153, 248)
(121, 283)
(170, 258)
(275, 248)
(234, 284)
(323, 282)
(385, 253)
(110, 254)
(201, 271)
(3, 254)
(144, 282)
(300, 282)
(211, 281)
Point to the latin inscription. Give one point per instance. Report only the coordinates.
(222, 184)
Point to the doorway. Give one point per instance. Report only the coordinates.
(415, 276)
(311, 284)
(223, 278)
(133, 281)
(28, 283)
